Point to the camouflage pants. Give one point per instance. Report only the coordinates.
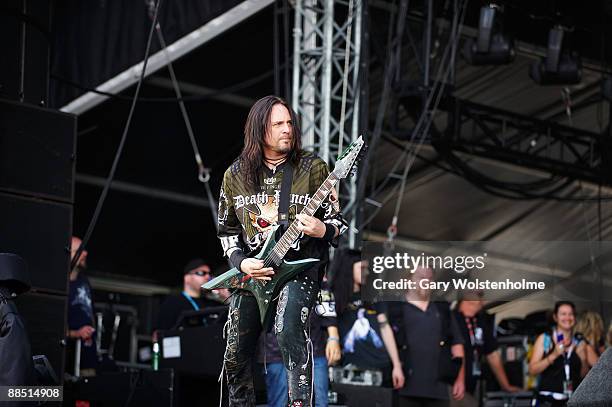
(295, 302)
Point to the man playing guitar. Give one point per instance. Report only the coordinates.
(248, 213)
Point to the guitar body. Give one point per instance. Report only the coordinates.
(263, 291)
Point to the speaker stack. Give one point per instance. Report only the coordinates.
(25, 32)
(37, 147)
(36, 196)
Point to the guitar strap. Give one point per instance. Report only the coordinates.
(283, 206)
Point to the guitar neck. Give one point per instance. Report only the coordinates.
(291, 235)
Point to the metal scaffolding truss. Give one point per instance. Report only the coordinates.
(325, 93)
(545, 145)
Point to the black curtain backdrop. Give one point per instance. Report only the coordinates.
(94, 40)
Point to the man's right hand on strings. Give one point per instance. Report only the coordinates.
(255, 268)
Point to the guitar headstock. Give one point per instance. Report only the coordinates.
(346, 163)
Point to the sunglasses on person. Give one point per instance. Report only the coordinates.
(199, 273)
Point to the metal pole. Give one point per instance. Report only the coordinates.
(353, 201)
(77, 358)
(427, 44)
(297, 40)
(326, 79)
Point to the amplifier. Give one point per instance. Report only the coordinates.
(196, 351)
(364, 396)
(505, 399)
(141, 388)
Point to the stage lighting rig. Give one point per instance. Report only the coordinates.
(492, 46)
(560, 66)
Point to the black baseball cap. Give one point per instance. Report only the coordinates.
(194, 264)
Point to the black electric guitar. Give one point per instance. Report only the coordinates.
(273, 252)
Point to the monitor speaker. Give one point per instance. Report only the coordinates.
(364, 396)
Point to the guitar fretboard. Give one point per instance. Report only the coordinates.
(291, 235)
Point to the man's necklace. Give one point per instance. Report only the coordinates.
(275, 162)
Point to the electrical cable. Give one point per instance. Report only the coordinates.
(126, 129)
(430, 114)
(203, 172)
(435, 91)
(345, 75)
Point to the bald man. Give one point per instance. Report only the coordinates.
(81, 312)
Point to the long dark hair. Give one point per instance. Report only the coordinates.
(341, 271)
(255, 129)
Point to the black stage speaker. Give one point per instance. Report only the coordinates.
(505, 399)
(24, 71)
(37, 148)
(596, 388)
(39, 231)
(364, 396)
(44, 316)
(141, 388)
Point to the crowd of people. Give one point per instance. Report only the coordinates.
(453, 343)
(400, 339)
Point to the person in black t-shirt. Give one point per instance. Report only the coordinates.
(81, 312)
(559, 358)
(366, 336)
(196, 273)
(424, 326)
(478, 331)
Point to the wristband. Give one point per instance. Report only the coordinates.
(236, 258)
(330, 232)
(333, 338)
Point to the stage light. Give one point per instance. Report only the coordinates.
(559, 67)
(492, 47)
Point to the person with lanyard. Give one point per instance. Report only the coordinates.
(196, 273)
(430, 343)
(559, 358)
(478, 331)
